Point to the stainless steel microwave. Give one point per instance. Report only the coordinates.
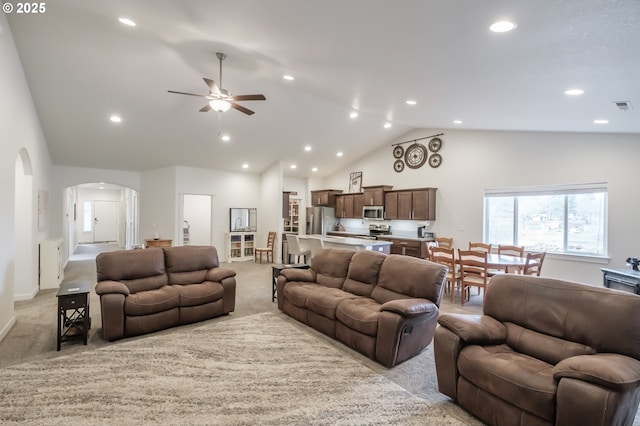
(373, 212)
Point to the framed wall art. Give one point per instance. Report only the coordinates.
(355, 182)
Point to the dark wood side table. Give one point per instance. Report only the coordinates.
(275, 271)
(73, 311)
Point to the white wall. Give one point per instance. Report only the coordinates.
(270, 211)
(19, 129)
(476, 160)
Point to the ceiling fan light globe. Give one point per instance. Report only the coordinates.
(220, 105)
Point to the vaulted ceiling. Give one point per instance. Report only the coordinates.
(364, 56)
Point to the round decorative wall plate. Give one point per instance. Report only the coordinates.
(398, 151)
(398, 166)
(416, 155)
(435, 144)
(435, 160)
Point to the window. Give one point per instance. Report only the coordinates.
(87, 215)
(568, 219)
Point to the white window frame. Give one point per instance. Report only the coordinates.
(598, 187)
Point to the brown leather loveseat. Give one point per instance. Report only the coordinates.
(142, 291)
(384, 306)
(545, 352)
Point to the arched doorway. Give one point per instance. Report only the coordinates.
(25, 285)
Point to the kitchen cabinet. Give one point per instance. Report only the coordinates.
(374, 195)
(292, 218)
(324, 197)
(414, 204)
(414, 248)
(349, 206)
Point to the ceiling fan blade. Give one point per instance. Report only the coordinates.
(205, 108)
(185, 93)
(212, 85)
(242, 109)
(249, 98)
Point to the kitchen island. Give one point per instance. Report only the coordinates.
(315, 241)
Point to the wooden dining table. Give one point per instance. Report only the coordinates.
(504, 261)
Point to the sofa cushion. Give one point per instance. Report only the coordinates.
(570, 311)
(360, 314)
(331, 266)
(151, 301)
(363, 272)
(189, 264)
(404, 277)
(547, 348)
(199, 294)
(522, 380)
(325, 302)
(139, 270)
(297, 292)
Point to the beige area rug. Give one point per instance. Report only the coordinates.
(259, 369)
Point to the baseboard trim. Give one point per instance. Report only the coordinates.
(20, 297)
(7, 328)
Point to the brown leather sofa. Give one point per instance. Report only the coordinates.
(544, 352)
(142, 291)
(384, 306)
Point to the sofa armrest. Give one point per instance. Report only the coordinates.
(295, 274)
(409, 307)
(613, 371)
(219, 274)
(475, 329)
(106, 287)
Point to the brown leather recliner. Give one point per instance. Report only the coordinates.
(384, 306)
(142, 291)
(545, 352)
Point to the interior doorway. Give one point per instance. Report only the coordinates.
(197, 219)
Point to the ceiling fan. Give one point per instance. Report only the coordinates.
(220, 99)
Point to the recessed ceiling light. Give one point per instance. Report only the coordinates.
(293, 166)
(457, 121)
(387, 125)
(288, 77)
(502, 26)
(226, 138)
(127, 21)
(115, 119)
(339, 154)
(411, 102)
(315, 169)
(574, 92)
(245, 166)
(601, 121)
(353, 114)
(101, 187)
(307, 148)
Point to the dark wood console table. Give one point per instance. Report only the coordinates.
(74, 321)
(621, 279)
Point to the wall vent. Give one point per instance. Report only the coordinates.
(623, 105)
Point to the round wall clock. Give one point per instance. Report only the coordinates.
(398, 151)
(398, 166)
(416, 155)
(435, 160)
(435, 144)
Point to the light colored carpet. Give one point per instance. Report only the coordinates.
(258, 369)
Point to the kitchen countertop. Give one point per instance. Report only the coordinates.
(399, 236)
(350, 241)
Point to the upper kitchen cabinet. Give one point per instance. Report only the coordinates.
(324, 197)
(374, 195)
(414, 204)
(349, 206)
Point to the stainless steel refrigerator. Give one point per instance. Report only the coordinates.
(320, 220)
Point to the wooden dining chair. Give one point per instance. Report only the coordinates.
(512, 251)
(486, 247)
(533, 265)
(444, 242)
(268, 250)
(473, 272)
(447, 257)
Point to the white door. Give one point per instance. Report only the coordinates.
(105, 221)
(196, 219)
